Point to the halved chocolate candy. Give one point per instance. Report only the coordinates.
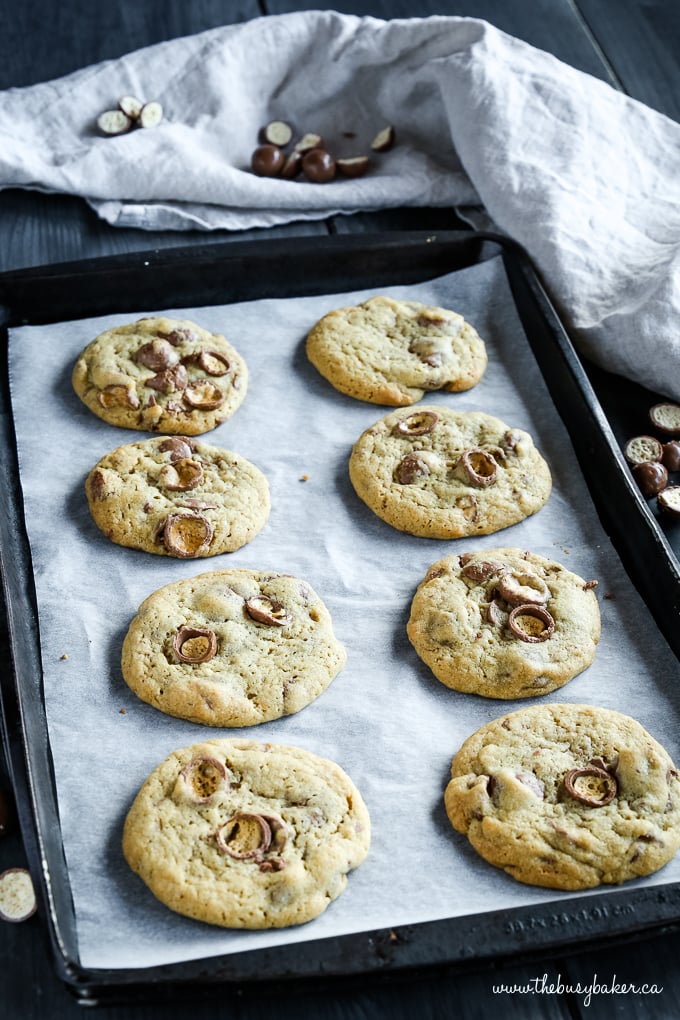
(591, 785)
(531, 623)
(213, 363)
(265, 610)
(668, 501)
(276, 132)
(203, 778)
(482, 570)
(113, 122)
(187, 534)
(666, 418)
(521, 588)
(131, 106)
(170, 380)
(194, 644)
(178, 447)
(17, 895)
(412, 467)
(642, 448)
(244, 836)
(384, 140)
(417, 424)
(353, 166)
(150, 115)
(203, 395)
(118, 396)
(180, 335)
(477, 467)
(308, 142)
(181, 476)
(156, 355)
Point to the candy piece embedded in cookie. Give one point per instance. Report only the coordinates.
(448, 474)
(504, 623)
(161, 375)
(232, 648)
(393, 352)
(566, 797)
(246, 835)
(177, 496)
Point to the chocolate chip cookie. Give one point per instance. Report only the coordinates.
(566, 797)
(177, 496)
(232, 648)
(161, 375)
(393, 352)
(448, 474)
(504, 623)
(246, 835)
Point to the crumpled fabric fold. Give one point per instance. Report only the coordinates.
(585, 178)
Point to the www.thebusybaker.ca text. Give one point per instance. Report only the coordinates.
(546, 986)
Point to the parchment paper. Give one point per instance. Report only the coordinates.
(384, 719)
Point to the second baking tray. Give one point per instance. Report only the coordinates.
(219, 275)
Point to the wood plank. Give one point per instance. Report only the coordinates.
(37, 229)
(44, 39)
(551, 25)
(642, 45)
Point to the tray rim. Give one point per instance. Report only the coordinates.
(584, 920)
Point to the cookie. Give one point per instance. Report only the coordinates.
(566, 797)
(246, 835)
(393, 352)
(232, 648)
(177, 496)
(504, 623)
(448, 474)
(161, 375)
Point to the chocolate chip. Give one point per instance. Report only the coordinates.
(205, 396)
(170, 380)
(477, 467)
(591, 785)
(204, 778)
(178, 447)
(417, 424)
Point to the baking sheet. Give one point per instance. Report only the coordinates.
(385, 719)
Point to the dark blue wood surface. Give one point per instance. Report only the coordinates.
(633, 44)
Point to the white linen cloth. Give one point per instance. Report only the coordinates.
(587, 179)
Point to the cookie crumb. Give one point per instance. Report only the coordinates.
(123, 711)
(609, 595)
(304, 478)
(64, 656)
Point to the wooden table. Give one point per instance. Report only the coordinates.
(634, 45)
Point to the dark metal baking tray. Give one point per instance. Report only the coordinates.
(648, 547)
